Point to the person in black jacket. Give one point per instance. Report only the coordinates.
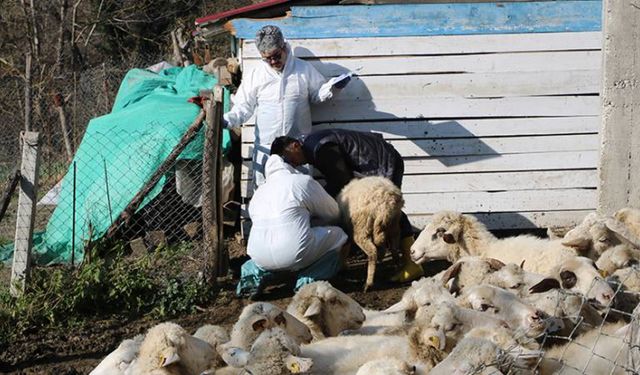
(342, 155)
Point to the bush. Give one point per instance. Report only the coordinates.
(116, 285)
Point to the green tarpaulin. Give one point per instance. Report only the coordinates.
(119, 153)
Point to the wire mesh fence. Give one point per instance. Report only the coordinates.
(87, 176)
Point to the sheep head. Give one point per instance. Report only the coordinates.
(273, 353)
(260, 316)
(447, 236)
(329, 310)
(580, 275)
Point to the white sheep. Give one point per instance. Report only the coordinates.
(520, 316)
(214, 336)
(488, 351)
(325, 310)
(577, 274)
(117, 362)
(451, 236)
(478, 270)
(617, 257)
(599, 351)
(168, 349)
(274, 352)
(630, 218)
(422, 293)
(371, 208)
(386, 366)
(259, 316)
(594, 236)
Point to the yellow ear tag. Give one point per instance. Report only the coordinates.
(435, 341)
(603, 273)
(294, 368)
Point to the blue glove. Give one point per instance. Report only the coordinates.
(342, 83)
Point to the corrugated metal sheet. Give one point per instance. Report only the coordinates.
(430, 19)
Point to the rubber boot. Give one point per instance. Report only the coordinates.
(409, 271)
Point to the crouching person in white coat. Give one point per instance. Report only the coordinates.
(282, 238)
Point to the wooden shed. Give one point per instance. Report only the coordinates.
(494, 106)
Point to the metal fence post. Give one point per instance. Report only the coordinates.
(26, 213)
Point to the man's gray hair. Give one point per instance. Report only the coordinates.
(269, 38)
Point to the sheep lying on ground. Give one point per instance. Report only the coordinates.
(117, 362)
(370, 208)
(451, 236)
(259, 316)
(478, 270)
(593, 236)
(569, 313)
(488, 351)
(521, 317)
(325, 310)
(214, 336)
(274, 352)
(577, 274)
(599, 351)
(168, 349)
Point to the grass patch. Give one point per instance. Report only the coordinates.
(115, 285)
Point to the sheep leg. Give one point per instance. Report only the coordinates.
(370, 249)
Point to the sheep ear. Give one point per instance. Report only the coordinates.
(259, 325)
(298, 365)
(545, 285)
(280, 319)
(314, 309)
(169, 358)
(451, 272)
(578, 243)
(621, 231)
(569, 279)
(495, 264)
(235, 357)
(400, 306)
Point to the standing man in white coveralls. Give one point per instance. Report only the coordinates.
(282, 238)
(279, 92)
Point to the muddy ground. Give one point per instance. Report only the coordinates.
(78, 351)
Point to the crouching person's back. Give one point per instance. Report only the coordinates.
(282, 238)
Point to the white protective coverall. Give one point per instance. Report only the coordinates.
(281, 209)
(281, 103)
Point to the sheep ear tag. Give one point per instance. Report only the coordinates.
(603, 273)
(298, 365)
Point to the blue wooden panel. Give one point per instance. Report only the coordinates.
(431, 19)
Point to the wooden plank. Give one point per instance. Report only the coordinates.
(487, 146)
(475, 63)
(422, 128)
(505, 163)
(521, 200)
(430, 19)
(27, 198)
(481, 85)
(518, 220)
(493, 181)
(438, 45)
(439, 108)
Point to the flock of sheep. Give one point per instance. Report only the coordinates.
(519, 305)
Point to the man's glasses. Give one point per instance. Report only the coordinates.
(273, 58)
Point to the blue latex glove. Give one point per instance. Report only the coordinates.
(341, 84)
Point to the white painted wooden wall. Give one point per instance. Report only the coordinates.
(503, 126)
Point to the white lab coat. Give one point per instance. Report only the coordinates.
(281, 209)
(281, 103)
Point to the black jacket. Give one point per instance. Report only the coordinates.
(342, 154)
